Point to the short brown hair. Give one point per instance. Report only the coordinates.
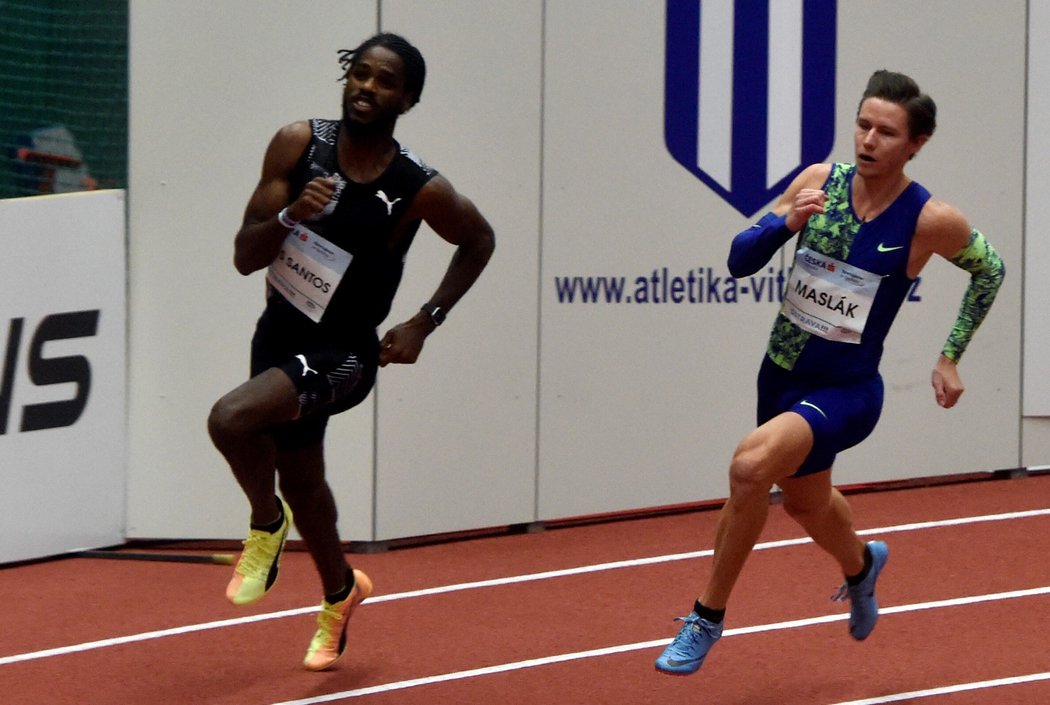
(903, 90)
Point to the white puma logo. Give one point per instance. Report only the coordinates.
(306, 368)
(389, 204)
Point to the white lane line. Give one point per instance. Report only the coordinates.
(949, 689)
(655, 644)
(632, 563)
(495, 582)
(158, 634)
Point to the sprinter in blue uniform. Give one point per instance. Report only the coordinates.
(865, 231)
(331, 220)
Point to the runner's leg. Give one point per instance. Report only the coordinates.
(768, 454)
(826, 516)
(237, 426)
(303, 485)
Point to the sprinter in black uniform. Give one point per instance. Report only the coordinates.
(331, 220)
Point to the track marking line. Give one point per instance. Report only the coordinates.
(657, 643)
(950, 689)
(705, 553)
(158, 634)
(494, 582)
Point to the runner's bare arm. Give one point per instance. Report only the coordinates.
(259, 239)
(942, 229)
(457, 220)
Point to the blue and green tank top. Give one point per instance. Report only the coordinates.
(880, 246)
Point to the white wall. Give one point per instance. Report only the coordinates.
(549, 115)
(1036, 383)
(456, 439)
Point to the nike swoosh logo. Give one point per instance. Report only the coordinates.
(813, 406)
(675, 664)
(883, 248)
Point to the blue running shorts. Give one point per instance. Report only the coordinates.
(840, 415)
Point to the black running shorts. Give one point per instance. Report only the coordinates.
(330, 377)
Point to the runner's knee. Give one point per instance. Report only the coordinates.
(228, 422)
(218, 422)
(750, 471)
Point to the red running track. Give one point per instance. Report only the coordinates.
(544, 618)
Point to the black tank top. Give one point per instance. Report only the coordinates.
(361, 219)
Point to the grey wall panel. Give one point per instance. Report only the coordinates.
(457, 431)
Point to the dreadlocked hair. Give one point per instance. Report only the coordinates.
(415, 66)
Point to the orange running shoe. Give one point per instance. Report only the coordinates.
(329, 640)
(256, 570)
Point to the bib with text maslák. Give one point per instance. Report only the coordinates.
(828, 297)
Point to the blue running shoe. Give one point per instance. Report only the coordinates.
(687, 652)
(864, 607)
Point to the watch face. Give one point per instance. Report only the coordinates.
(436, 313)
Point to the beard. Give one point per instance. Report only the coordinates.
(383, 124)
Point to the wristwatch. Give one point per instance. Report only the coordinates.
(436, 313)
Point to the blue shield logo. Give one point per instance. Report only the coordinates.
(749, 92)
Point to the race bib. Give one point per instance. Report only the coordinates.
(307, 270)
(828, 297)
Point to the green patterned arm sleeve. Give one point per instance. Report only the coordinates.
(986, 270)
